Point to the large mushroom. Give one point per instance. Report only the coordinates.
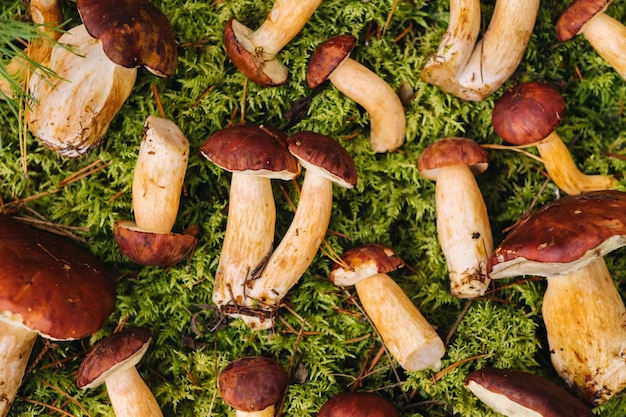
(583, 312)
(463, 225)
(357, 404)
(48, 287)
(331, 61)
(406, 333)
(529, 114)
(157, 185)
(473, 70)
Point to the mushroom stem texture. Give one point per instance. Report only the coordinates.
(585, 318)
(608, 37)
(129, 394)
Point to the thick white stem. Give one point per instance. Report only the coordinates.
(608, 37)
(387, 118)
(268, 412)
(585, 321)
(130, 396)
(464, 230)
(407, 334)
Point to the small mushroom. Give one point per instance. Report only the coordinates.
(357, 404)
(113, 361)
(473, 70)
(463, 225)
(253, 386)
(254, 52)
(50, 288)
(522, 394)
(604, 33)
(157, 185)
(331, 61)
(528, 114)
(406, 333)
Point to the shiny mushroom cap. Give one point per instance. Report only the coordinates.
(449, 152)
(576, 15)
(362, 262)
(357, 404)
(327, 57)
(50, 285)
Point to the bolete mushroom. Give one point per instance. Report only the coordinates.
(331, 61)
(112, 362)
(473, 70)
(357, 404)
(529, 114)
(583, 312)
(463, 225)
(253, 385)
(49, 287)
(157, 185)
(255, 154)
(406, 333)
(254, 52)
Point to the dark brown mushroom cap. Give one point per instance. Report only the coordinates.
(528, 113)
(357, 404)
(449, 152)
(150, 248)
(132, 32)
(576, 15)
(252, 383)
(327, 57)
(532, 392)
(362, 262)
(55, 287)
(320, 153)
(562, 236)
(122, 349)
(252, 149)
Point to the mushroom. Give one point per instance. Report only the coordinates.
(357, 404)
(254, 52)
(253, 385)
(406, 333)
(583, 312)
(51, 288)
(331, 61)
(463, 225)
(520, 394)
(157, 185)
(604, 33)
(326, 162)
(473, 70)
(113, 361)
(254, 154)
(528, 114)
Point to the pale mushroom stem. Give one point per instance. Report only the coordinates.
(267, 412)
(584, 317)
(563, 170)
(463, 230)
(130, 396)
(608, 37)
(366, 88)
(406, 333)
(16, 345)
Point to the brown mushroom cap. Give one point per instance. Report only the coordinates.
(504, 387)
(449, 152)
(252, 383)
(576, 15)
(132, 32)
(53, 286)
(317, 152)
(327, 57)
(362, 262)
(357, 404)
(528, 113)
(252, 149)
(563, 236)
(119, 350)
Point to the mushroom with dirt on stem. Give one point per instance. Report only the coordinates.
(406, 333)
(331, 61)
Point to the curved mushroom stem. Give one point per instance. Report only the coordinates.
(492, 60)
(464, 231)
(584, 317)
(410, 338)
(387, 118)
(608, 37)
(16, 345)
(130, 396)
(564, 172)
